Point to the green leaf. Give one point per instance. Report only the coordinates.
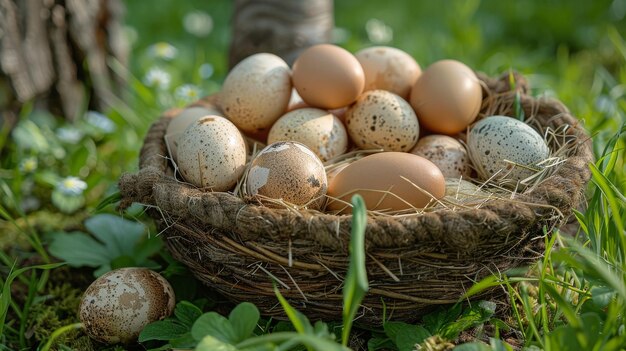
(473, 346)
(407, 338)
(187, 313)
(163, 330)
(118, 234)
(78, 249)
(123, 261)
(380, 343)
(356, 284)
(109, 200)
(602, 295)
(499, 345)
(210, 343)
(244, 319)
(436, 320)
(299, 321)
(478, 314)
(215, 325)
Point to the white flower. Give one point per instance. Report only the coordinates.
(72, 186)
(188, 92)
(163, 51)
(28, 165)
(198, 23)
(70, 135)
(157, 78)
(378, 32)
(100, 121)
(206, 70)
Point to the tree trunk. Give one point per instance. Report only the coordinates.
(55, 52)
(282, 27)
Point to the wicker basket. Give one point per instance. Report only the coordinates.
(414, 262)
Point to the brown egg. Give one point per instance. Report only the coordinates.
(289, 171)
(446, 97)
(118, 305)
(379, 178)
(446, 153)
(319, 130)
(388, 69)
(327, 76)
(382, 120)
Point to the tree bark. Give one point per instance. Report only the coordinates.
(55, 53)
(281, 27)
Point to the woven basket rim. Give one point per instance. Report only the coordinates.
(153, 185)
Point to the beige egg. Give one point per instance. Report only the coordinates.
(382, 120)
(296, 101)
(446, 97)
(388, 68)
(319, 130)
(289, 171)
(118, 305)
(256, 92)
(387, 181)
(327, 76)
(179, 123)
(445, 152)
(212, 153)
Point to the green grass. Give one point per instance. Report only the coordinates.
(572, 299)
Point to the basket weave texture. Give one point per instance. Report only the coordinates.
(413, 262)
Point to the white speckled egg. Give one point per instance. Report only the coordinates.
(289, 171)
(388, 68)
(319, 130)
(212, 153)
(498, 138)
(179, 123)
(382, 120)
(118, 305)
(256, 92)
(446, 153)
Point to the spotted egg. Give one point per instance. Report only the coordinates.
(287, 171)
(118, 305)
(181, 121)
(446, 153)
(319, 130)
(256, 92)
(388, 68)
(504, 147)
(382, 120)
(212, 153)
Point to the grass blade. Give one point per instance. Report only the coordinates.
(356, 285)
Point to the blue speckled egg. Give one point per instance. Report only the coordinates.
(495, 139)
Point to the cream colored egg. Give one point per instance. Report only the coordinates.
(446, 153)
(212, 153)
(319, 130)
(288, 171)
(256, 92)
(388, 68)
(504, 147)
(118, 305)
(179, 123)
(382, 120)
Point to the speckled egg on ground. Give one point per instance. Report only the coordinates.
(256, 92)
(212, 153)
(446, 153)
(382, 120)
(319, 130)
(118, 305)
(287, 171)
(495, 139)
